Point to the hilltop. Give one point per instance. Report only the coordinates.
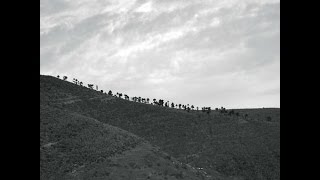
(192, 145)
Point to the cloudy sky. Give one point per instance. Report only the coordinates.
(201, 52)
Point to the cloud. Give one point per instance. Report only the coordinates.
(213, 53)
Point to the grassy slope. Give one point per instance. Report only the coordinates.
(73, 146)
(247, 148)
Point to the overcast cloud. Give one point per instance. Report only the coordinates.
(201, 52)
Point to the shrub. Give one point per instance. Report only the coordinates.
(269, 118)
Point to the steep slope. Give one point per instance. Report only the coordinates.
(73, 146)
(234, 146)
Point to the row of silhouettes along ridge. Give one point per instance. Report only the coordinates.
(160, 102)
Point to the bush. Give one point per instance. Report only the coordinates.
(269, 118)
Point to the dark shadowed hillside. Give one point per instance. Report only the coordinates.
(85, 134)
(73, 146)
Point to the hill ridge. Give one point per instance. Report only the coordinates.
(230, 146)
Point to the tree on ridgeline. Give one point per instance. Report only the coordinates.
(223, 110)
(110, 93)
(148, 100)
(192, 107)
(172, 105)
(179, 106)
(139, 99)
(58, 77)
(101, 91)
(231, 112)
(161, 102)
(75, 81)
(208, 110)
(90, 86)
(65, 78)
(120, 95)
(80, 83)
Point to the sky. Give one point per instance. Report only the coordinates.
(199, 52)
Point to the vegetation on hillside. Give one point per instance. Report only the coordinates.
(237, 143)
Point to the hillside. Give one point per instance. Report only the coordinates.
(73, 146)
(228, 147)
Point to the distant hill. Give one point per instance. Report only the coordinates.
(83, 131)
